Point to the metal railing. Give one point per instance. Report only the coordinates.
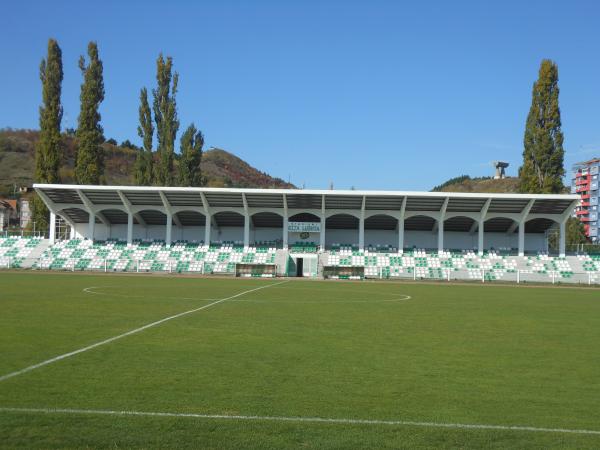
(518, 276)
(20, 232)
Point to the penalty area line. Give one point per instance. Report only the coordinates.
(129, 333)
(464, 426)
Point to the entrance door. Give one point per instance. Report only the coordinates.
(300, 267)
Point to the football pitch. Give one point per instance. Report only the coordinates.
(123, 361)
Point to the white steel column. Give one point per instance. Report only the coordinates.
(480, 237)
(285, 231)
(562, 240)
(441, 225)
(481, 226)
(361, 233)
(401, 235)
(401, 227)
(169, 229)
(285, 223)
(522, 238)
(524, 215)
(246, 230)
(246, 221)
(361, 226)
(207, 224)
(322, 234)
(129, 228)
(440, 235)
(91, 225)
(52, 227)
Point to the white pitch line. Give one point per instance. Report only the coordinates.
(466, 426)
(89, 290)
(316, 302)
(129, 333)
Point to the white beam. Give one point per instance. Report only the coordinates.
(128, 206)
(91, 208)
(522, 221)
(474, 227)
(169, 208)
(208, 211)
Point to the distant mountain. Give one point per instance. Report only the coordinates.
(465, 183)
(221, 168)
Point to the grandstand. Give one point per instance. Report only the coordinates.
(315, 233)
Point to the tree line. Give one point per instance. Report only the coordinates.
(541, 172)
(153, 166)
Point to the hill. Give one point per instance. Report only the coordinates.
(221, 168)
(465, 183)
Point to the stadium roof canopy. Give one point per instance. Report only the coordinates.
(191, 205)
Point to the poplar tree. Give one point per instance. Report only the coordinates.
(192, 142)
(143, 171)
(543, 153)
(48, 149)
(165, 116)
(89, 160)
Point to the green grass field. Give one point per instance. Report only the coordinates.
(451, 354)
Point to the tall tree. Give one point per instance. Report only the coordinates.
(192, 142)
(48, 149)
(89, 161)
(543, 152)
(165, 116)
(143, 171)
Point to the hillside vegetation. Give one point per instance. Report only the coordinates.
(465, 183)
(219, 167)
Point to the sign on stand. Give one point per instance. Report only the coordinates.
(304, 227)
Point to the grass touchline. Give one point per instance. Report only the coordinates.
(301, 419)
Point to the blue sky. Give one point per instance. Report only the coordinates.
(375, 95)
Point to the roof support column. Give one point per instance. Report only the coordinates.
(129, 228)
(169, 229)
(285, 223)
(246, 222)
(322, 233)
(441, 226)
(440, 236)
(522, 238)
(207, 223)
(481, 227)
(480, 243)
(91, 225)
(563, 239)
(401, 227)
(361, 227)
(52, 227)
(246, 230)
(524, 215)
